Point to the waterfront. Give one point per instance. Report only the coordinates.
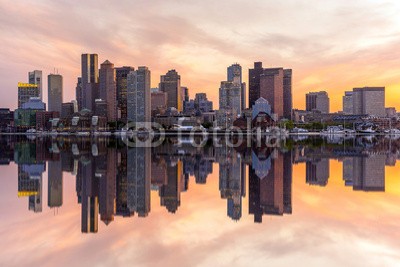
(94, 201)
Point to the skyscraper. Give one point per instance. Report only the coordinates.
(171, 84)
(108, 90)
(348, 103)
(369, 100)
(122, 89)
(90, 80)
(271, 88)
(275, 85)
(318, 101)
(35, 77)
(235, 71)
(79, 94)
(230, 96)
(287, 94)
(139, 96)
(25, 92)
(55, 92)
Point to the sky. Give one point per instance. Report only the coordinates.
(330, 45)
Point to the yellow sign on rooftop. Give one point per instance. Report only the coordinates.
(27, 85)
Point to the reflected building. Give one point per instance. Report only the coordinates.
(89, 195)
(317, 172)
(369, 173)
(269, 184)
(106, 172)
(231, 180)
(170, 193)
(55, 184)
(139, 176)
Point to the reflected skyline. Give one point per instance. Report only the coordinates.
(115, 180)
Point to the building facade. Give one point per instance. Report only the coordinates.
(25, 92)
(139, 96)
(273, 84)
(170, 83)
(35, 77)
(230, 96)
(317, 101)
(89, 80)
(122, 89)
(348, 103)
(108, 90)
(55, 92)
(369, 100)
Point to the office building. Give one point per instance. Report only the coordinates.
(235, 72)
(89, 80)
(67, 109)
(230, 96)
(79, 94)
(369, 100)
(170, 83)
(55, 92)
(35, 77)
(348, 103)
(122, 89)
(108, 91)
(287, 93)
(317, 101)
(26, 91)
(158, 100)
(139, 97)
(273, 84)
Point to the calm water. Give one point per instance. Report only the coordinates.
(96, 202)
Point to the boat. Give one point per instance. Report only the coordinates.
(392, 131)
(367, 130)
(31, 131)
(296, 130)
(83, 133)
(330, 130)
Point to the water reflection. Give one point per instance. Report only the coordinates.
(115, 180)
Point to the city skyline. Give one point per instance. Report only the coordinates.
(317, 54)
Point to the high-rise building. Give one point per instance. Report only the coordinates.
(271, 88)
(55, 92)
(254, 83)
(122, 89)
(234, 73)
(90, 80)
(230, 96)
(171, 84)
(318, 101)
(287, 93)
(158, 100)
(275, 85)
(79, 94)
(25, 92)
(35, 77)
(139, 97)
(348, 103)
(369, 100)
(108, 89)
(185, 93)
(67, 109)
